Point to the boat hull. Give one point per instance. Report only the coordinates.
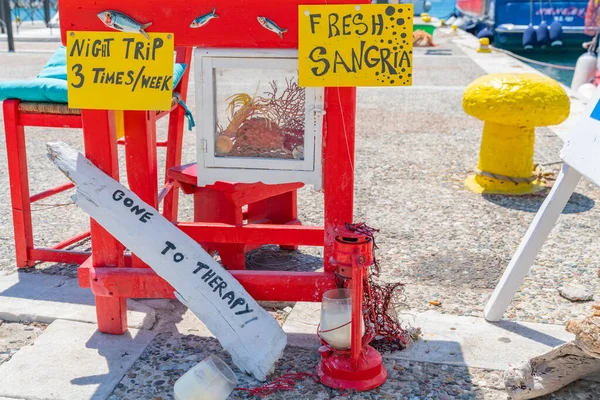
(510, 18)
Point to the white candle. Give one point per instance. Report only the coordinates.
(336, 313)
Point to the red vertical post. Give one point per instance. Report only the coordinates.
(280, 209)
(338, 164)
(175, 134)
(16, 155)
(140, 156)
(357, 318)
(99, 135)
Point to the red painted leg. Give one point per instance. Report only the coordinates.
(280, 209)
(216, 206)
(140, 156)
(338, 164)
(233, 256)
(101, 149)
(19, 183)
(112, 314)
(175, 135)
(174, 145)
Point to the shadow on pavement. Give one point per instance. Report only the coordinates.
(531, 203)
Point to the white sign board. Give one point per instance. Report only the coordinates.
(582, 149)
(249, 333)
(581, 156)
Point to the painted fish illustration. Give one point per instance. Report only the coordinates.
(122, 22)
(272, 26)
(204, 19)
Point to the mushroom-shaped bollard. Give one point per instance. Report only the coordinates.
(511, 106)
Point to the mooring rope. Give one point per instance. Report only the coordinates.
(529, 60)
(515, 180)
(530, 12)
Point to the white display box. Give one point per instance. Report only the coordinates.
(255, 124)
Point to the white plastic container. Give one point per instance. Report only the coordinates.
(585, 69)
(211, 379)
(586, 91)
(336, 313)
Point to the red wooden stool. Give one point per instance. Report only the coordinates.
(224, 202)
(18, 115)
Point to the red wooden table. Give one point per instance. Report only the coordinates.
(111, 275)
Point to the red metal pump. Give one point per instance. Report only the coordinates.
(361, 368)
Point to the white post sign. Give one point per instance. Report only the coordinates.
(249, 333)
(581, 156)
(582, 148)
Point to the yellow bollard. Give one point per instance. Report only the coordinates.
(511, 106)
(484, 46)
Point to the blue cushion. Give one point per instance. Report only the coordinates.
(39, 90)
(56, 67)
(51, 83)
(178, 71)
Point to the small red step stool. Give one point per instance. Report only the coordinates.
(225, 202)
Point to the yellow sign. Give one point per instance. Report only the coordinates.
(120, 71)
(355, 45)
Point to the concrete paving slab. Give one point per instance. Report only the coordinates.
(445, 71)
(474, 342)
(178, 319)
(448, 339)
(72, 360)
(26, 297)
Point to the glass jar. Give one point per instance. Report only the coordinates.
(336, 314)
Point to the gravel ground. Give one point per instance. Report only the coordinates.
(14, 336)
(170, 355)
(415, 146)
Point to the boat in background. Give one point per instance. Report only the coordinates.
(515, 24)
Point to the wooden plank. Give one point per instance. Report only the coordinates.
(59, 256)
(140, 158)
(50, 192)
(83, 272)
(261, 285)
(338, 164)
(51, 120)
(100, 141)
(250, 334)
(236, 26)
(99, 136)
(175, 134)
(583, 144)
(253, 233)
(19, 183)
(532, 242)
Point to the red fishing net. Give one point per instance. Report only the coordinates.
(379, 304)
(284, 382)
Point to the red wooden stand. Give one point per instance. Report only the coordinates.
(113, 277)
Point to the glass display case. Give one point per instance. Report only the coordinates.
(255, 124)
